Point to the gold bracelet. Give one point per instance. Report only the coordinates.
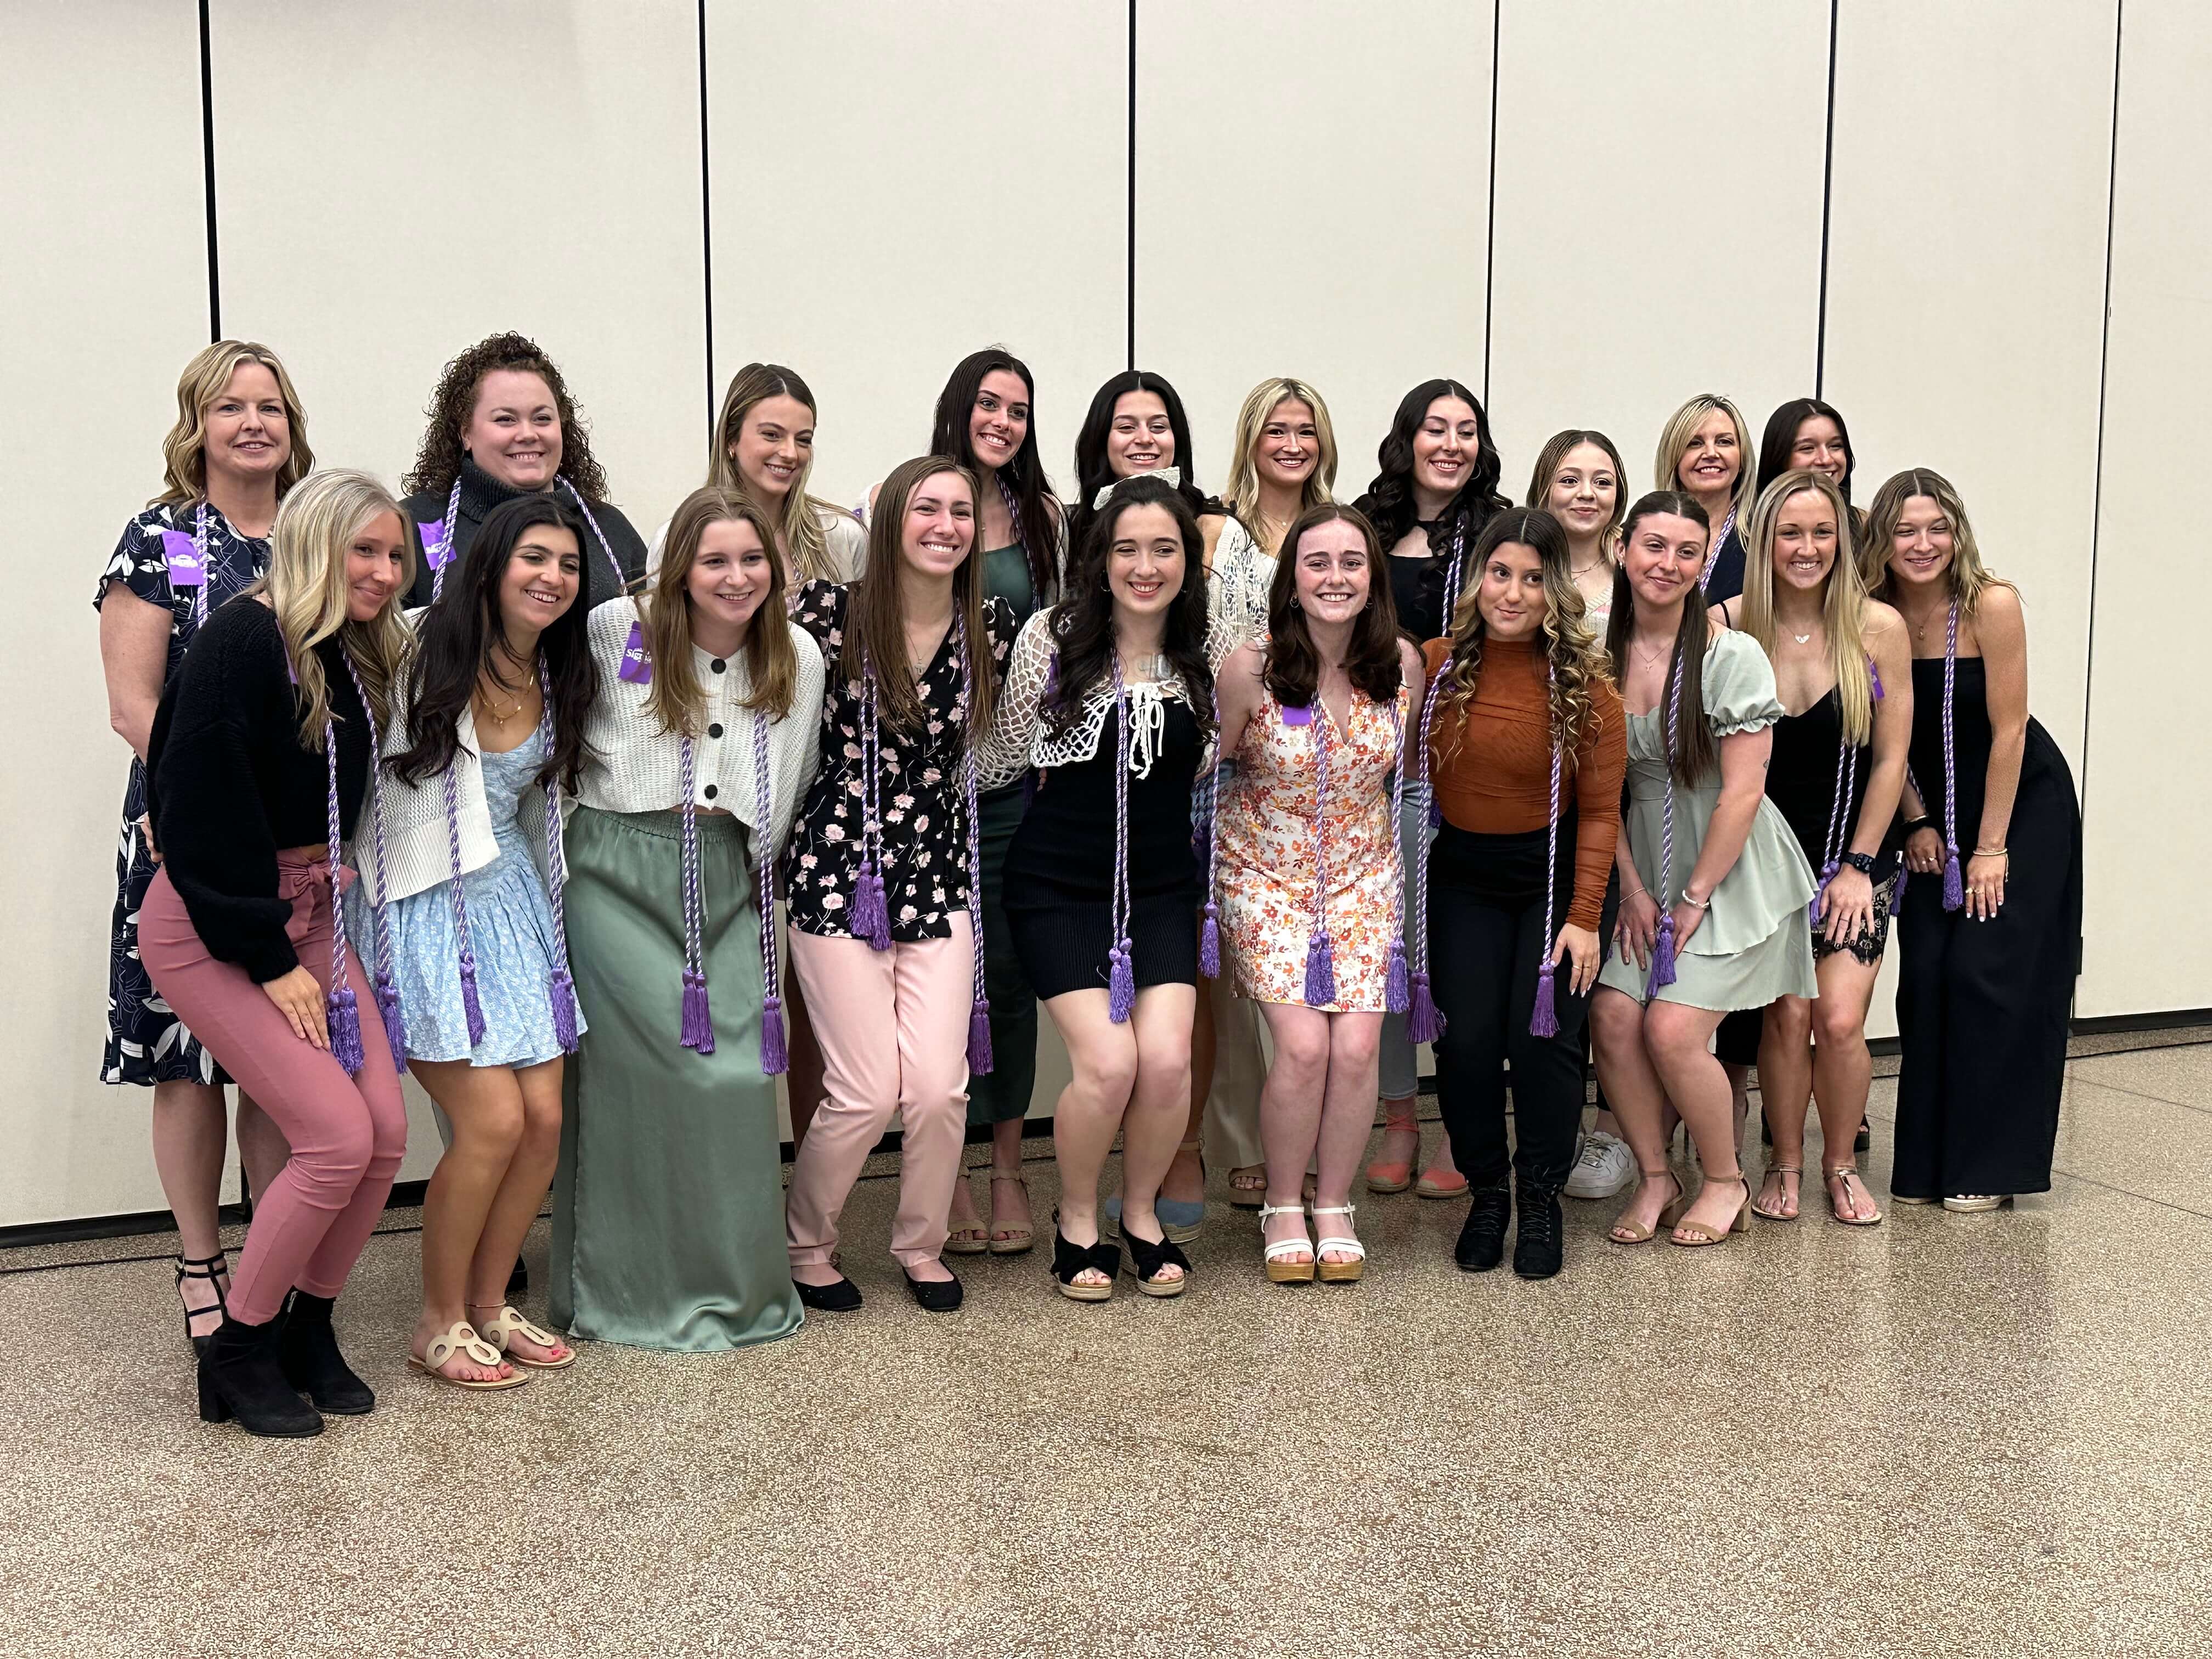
(1992, 851)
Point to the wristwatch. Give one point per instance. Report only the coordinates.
(1861, 862)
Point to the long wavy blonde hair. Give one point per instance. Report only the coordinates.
(306, 587)
(206, 377)
(678, 700)
(806, 548)
(1571, 651)
(1970, 577)
(1241, 497)
(1843, 600)
(1675, 443)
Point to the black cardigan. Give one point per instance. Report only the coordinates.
(227, 785)
(481, 492)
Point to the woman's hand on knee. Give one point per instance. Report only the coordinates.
(298, 997)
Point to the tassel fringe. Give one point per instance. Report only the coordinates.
(395, 1020)
(1423, 1023)
(562, 992)
(1209, 942)
(1544, 1019)
(1662, 957)
(345, 1030)
(774, 1050)
(1320, 970)
(472, 1005)
(1954, 885)
(698, 1021)
(979, 1037)
(1397, 992)
(1121, 984)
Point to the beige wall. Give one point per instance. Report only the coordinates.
(894, 184)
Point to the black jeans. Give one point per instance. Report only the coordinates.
(1487, 941)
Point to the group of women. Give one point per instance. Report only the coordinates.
(1645, 778)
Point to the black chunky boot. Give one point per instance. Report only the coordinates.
(308, 1351)
(241, 1378)
(1482, 1239)
(1538, 1248)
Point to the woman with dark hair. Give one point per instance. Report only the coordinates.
(884, 929)
(1713, 888)
(986, 421)
(667, 1205)
(1807, 436)
(1136, 425)
(1109, 699)
(1982, 1010)
(1306, 841)
(489, 729)
(502, 424)
(1526, 750)
(1434, 489)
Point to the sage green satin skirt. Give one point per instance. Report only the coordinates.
(668, 1205)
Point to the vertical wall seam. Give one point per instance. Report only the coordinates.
(1827, 198)
(1489, 233)
(706, 225)
(2103, 371)
(207, 156)
(1131, 274)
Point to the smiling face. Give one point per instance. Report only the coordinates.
(772, 448)
(544, 575)
(1921, 548)
(1805, 541)
(514, 429)
(939, 527)
(1000, 421)
(1145, 560)
(375, 565)
(1332, 573)
(1664, 556)
(1290, 445)
(1714, 460)
(1584, 492)
(1446, 447)
(730, 577)
(1818, 448)
(247, 436)
(1509, 598)
(1141, 438)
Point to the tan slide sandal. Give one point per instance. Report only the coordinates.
(461, 1338)
(500, 1332)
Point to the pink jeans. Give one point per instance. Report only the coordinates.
(347, 1133)
(893, 1027)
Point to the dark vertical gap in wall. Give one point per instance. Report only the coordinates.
(1827, 191)
(1133, 186)
(207, 153)
(1489, 233)
(706, 223)
(2104, 370)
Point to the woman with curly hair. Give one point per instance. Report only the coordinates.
(1526, 749)
(502, 425)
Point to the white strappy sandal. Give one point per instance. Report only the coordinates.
(1281, 1270)
(460, 1338)
(1338, 1272)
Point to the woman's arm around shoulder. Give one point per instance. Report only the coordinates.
(1005, 750)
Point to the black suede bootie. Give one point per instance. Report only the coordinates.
(241, 1379)
(1482, 1238)
(308, 1351)
(1539, 1248)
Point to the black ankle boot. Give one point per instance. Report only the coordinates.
(308, 1351)
(1482, 1240)
(1538, 1248)
(241, 1379)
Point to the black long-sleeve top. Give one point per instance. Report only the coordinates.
(480, 493)
(227, 785)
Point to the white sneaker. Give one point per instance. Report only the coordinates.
(1605, 1167)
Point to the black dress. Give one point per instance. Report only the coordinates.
(1982, 1006)
(1724, 582)
(1801, 777)
(1059, 870)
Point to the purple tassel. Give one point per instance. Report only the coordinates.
(979, 1037)
(1320, 970)
(1397, 994)
(1209, 942)
(1121, 984)
(1662, 957)
(345, 1030)
(1820, 894)
(1436, 815)
(472, 1005)
(872, 909)
(395, 1021)
(1544, 1021)
(1954, 886)
(698, 1023)
(1425, 1022)
(1897, 893)
(562, 992)
(775, 1053)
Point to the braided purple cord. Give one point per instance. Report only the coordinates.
(207, 574)
(446, 539)
(1713, 557)
(980, 1060)
(1121, 968)
(1321, 953)
(1662, 946)
(560, 987)
(1209, 939)
(697, 1025)
(774, 1045)
(1397, 991)
(1037, 592)
(870, 919)
(1955, 889)
(1452, 574)
(1425, 1022)
(1544, 1015)
(385, 989)
(621, 576)
(1839, 833)
(472, 1005)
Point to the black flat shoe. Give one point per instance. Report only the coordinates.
(308, 1351)
(1146, 1259)
(1482, 1238)
(934, 1295)
(1069, 1260)
(241, 1381)
(841, 1296)
(1539, 1248)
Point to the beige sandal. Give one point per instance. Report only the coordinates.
(461, 1338)
(1847, 1173)
(501, 1331)
(1695, 1234)
(1248, 1187)
(1018, 1240)
(1622, 1233)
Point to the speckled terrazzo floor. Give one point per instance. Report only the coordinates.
(1978, 1435)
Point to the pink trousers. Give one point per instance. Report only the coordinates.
(893, 1027)
(347, 1133)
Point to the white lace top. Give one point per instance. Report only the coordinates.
(1236, 591)
(1019, 737)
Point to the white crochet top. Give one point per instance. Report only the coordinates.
(632, 765)
(1237, 593)
(1018, 738)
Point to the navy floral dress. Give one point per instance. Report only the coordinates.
(146, 1042)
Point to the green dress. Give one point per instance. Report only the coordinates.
(668, 1205)
(1003, 1095)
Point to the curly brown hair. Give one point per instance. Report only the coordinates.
(1572, 656)
(438, 463)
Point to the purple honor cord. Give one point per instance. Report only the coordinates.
(1544, 1016)
(980, 1059)
(1320, 952)
(1424, 1022)
(697, 1025)
(1713, 558)
(384, 988)
(1120, 969)
(1662, 946)
(1839, 821)
(1954, 889)
(870, 919)
(774, 1050)
(445, 539)
(1397, 991)
(560, 989)
(621, 577)
(1209, 943)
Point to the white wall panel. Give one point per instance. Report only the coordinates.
(1658, 225)
(103, 268)
(1312, 200)
(1965, 285)
(896, 185)
(2148, 780)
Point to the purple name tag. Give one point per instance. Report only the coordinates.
(436, 549)
(637, 662)
(1298, 716)
(183, 559)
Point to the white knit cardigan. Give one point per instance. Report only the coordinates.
(417, 851)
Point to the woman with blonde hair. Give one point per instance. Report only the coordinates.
(1981, 1010)
(667, 1202)
(1843, 671)
(1580, 481)
(1704, 451)
(261, 761)
(239, 445)
(763, 452)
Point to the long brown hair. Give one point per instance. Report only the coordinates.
(1691, 755)
(1372, 662)
(1571, 653)
(1968, 577)
(678, 700)
(801, 529)
(875, 622)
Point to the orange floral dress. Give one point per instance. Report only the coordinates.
(1267, 852)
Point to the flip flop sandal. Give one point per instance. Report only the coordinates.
(461, 1338)
(500, 1332)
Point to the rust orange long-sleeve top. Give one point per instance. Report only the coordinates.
(1495, 778)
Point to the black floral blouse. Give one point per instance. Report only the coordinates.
(921, 791)
(141, 563)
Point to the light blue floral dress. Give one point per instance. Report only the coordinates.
(510, 927)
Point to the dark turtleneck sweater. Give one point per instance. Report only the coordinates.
(481, 492)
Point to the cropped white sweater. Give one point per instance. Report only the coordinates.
(417, 851)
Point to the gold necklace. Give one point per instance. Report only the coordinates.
(492, 708)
